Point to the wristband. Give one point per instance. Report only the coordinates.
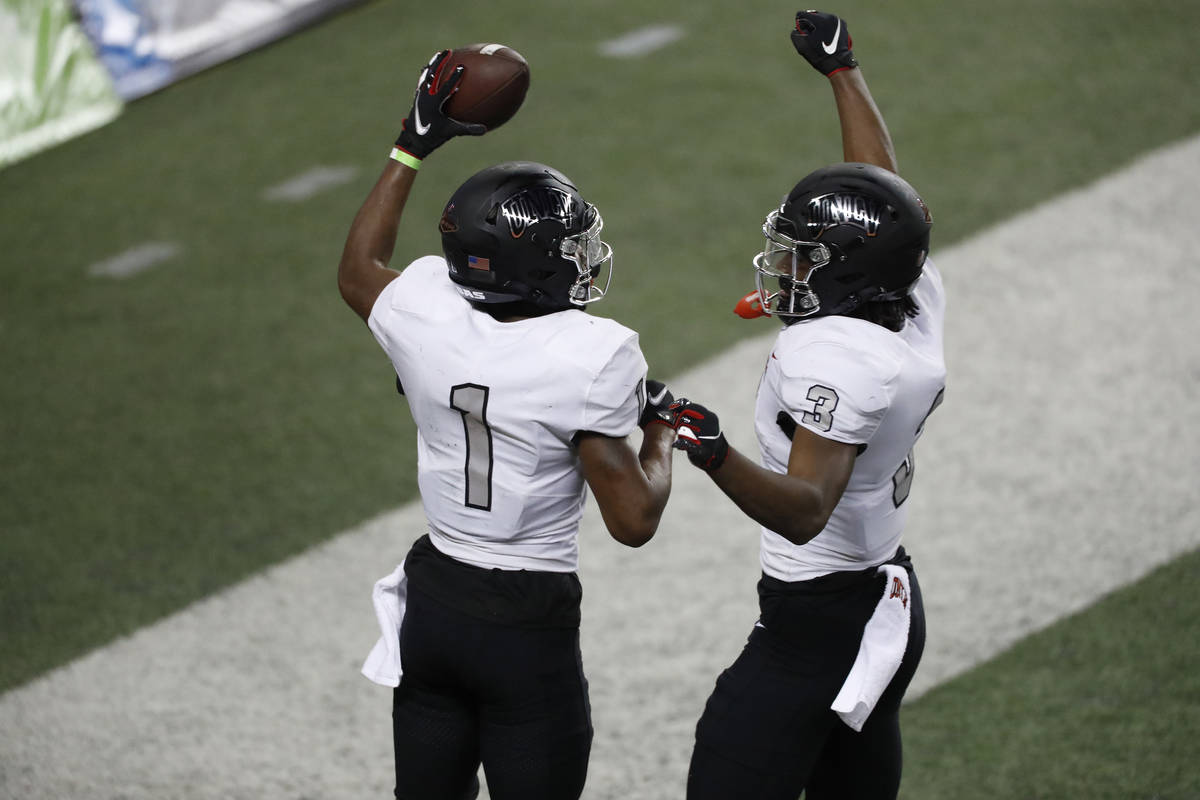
(407, 159)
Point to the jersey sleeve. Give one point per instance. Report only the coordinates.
(929, 293)
(836, 392)
(614, 400)
(418, 289)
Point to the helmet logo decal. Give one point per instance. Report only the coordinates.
(447, 224)
(841, 208)
(475, 262)
(535, 204)
(925, 208)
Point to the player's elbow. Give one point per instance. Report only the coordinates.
(800, 525)
(355, 288)
(799, 511)
(801, 530)
(344, 281)
(633, 535)
(635, 526)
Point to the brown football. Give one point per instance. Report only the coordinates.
(493, 84)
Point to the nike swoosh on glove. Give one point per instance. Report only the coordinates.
(658, 401)
(824, 41)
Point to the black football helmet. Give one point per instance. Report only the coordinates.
(521, 232)
(846, 235)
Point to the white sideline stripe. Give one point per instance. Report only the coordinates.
(1060, 467)
(641, 41)
(310, 183)
(134, 260)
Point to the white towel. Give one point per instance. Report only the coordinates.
(884, 640)
(389, 598)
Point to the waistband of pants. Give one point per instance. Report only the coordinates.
(833, 582)
(520, 598)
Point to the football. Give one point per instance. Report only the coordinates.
(493, 84)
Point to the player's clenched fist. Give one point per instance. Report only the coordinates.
(658, 403)
(700, 434)
(824, 41)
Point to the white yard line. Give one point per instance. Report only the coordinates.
(134, 260)
(642, 41)
(1060, 467)
(310, 183)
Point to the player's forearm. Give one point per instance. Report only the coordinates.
(372, 236)
(633, 520)
(865, 137)
(655, 457)
(630, 489)
(784, 504)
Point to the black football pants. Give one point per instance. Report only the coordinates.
(767, 732)
(512, 698)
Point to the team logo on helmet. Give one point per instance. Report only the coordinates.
(448, 224)
(535, 204)
(925, 208)
(842, 208)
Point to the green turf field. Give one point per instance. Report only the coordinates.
(170, 434)
(1104, 704)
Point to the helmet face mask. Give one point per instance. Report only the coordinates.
(592, 257)
(787, 263)
(846, 235)
(520, 232)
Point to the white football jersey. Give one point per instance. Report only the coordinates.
(855, 382)
(496, 406)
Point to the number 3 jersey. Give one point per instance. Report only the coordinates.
(496, 406)
(855, 382)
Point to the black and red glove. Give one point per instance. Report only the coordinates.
(699, 433)
(824, 41)
(426, 127)
(657, 408)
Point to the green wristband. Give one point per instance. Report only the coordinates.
(406, 159)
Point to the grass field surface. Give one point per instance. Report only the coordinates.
(171, 433)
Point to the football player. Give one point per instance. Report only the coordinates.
(812, 702)
(521, 400)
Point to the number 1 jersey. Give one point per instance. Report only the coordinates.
(496, 406)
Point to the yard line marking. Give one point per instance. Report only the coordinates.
(135, 260)
(641, 41)
(307, 184)
(1023, 515)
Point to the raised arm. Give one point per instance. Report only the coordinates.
(824, 41)
(363, 271)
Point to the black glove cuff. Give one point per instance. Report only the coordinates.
(710, 459)
(651, 416)
(837, 63)
(412, 144)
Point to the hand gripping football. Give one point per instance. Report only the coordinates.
(493, 84)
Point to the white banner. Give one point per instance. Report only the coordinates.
(147, 44)
(51, 87)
